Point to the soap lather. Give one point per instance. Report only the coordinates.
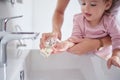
(46, 52)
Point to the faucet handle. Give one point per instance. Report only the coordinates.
(3, 21)
(21, 44)
(8, 18)
(13, 17)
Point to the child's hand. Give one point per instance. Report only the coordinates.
(48, 50)
(62, 46)
(114, 60)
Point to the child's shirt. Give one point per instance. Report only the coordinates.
(107, 26)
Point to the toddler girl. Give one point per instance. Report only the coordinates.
(97, 20)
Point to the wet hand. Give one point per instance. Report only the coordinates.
(62, 46)
(45, 37)
(48, 46)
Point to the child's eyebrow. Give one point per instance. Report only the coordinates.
(94, 1)
(90, 1)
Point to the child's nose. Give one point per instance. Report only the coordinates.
(87, 8)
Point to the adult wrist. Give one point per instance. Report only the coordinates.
(56, 29)
(58, 33)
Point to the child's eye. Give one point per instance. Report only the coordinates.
(83, 3)
(93, 4)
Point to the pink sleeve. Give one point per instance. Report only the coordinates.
(114, 32)
(77, 26)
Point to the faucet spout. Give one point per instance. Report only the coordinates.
(3, 21)
(13, 36)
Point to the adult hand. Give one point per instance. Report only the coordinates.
(46, 36)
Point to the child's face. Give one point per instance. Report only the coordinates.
(94, 9)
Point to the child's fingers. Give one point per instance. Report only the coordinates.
(113, 61)
(55, 52)
(55, 49)
(116, 62)
(59, 48)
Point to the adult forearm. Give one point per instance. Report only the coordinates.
(57, 21)
(58, 16)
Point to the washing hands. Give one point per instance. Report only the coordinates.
(54, 45)
(48, 50)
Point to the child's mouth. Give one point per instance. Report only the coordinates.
(87, 14)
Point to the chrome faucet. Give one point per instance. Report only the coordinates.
(3, 46)
(5, 37)
(3, 22)
(13, 36)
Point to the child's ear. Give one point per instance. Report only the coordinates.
(108, 4)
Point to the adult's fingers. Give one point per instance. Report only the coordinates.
(41, 44)
(43, 39)
(109, 63)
